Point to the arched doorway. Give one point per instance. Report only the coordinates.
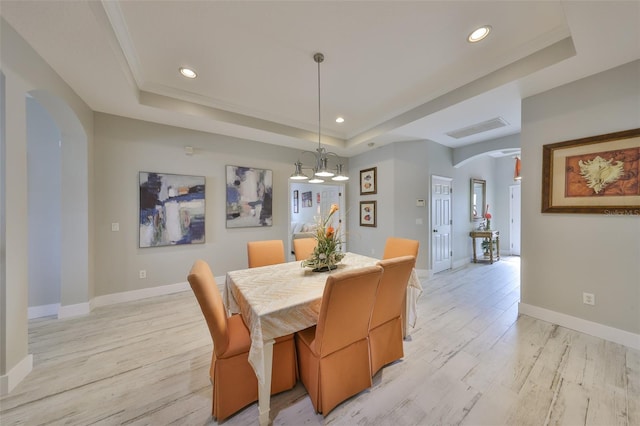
(74, 202)
(44, 210)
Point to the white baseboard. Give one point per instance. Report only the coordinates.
(130, 296)
(68, 311)
(43, 310)
(612, 334)
(16, 375)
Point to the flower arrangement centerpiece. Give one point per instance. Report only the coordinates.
(327, 253)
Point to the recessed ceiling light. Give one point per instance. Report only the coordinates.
(479, 34)
(188, 72)
(339, 120)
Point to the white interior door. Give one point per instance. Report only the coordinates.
(441, 223)
(514, 219)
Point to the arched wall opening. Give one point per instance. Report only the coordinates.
(44, 209)
(74, 206)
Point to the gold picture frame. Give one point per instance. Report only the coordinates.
(368, 213)
(598, 174)
(369, 181)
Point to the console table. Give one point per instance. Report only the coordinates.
(486, 235)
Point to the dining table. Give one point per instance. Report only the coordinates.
(280, 299)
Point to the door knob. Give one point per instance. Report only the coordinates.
(435, 230)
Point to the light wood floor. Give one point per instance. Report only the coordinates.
(470, 360)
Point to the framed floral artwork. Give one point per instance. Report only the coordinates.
(598, 174)
(368, 181)
(368, 213)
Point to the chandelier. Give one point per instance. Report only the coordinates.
(320, 168)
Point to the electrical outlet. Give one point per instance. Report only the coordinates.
(115, 226)
(588, 299)
(143, 273)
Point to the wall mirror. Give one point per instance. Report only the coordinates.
(478, 199)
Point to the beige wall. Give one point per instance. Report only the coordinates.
(565, 255)
(14, 303)
(26, 74)
(125, 147)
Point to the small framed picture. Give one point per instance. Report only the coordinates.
(368, 213)
(307, 201)
(368, 182)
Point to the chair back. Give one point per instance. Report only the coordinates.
(303, 247)
(396, 247)
(263, 253)
(392, 288)
(209, 298)
(346, 307)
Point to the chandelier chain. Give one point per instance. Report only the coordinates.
(319, 57)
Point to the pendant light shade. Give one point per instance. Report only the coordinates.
(516, 172)
(297, 174)
(340, 176)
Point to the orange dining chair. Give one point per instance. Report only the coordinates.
(303, 247)
(234, 382)
(264, 253)
(396, 247)
(333, 356)
(385, 330)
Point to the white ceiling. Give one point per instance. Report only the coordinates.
(394, 70)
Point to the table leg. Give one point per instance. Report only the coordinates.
(475, 259)
(264, 389)
(490, 251)
(405, 317)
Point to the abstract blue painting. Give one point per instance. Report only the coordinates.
(249, 197)
(171, 209)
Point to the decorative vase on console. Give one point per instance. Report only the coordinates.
(487, 218)
(327, 254)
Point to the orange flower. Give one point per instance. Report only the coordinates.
(330, 231)
(487, 215)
